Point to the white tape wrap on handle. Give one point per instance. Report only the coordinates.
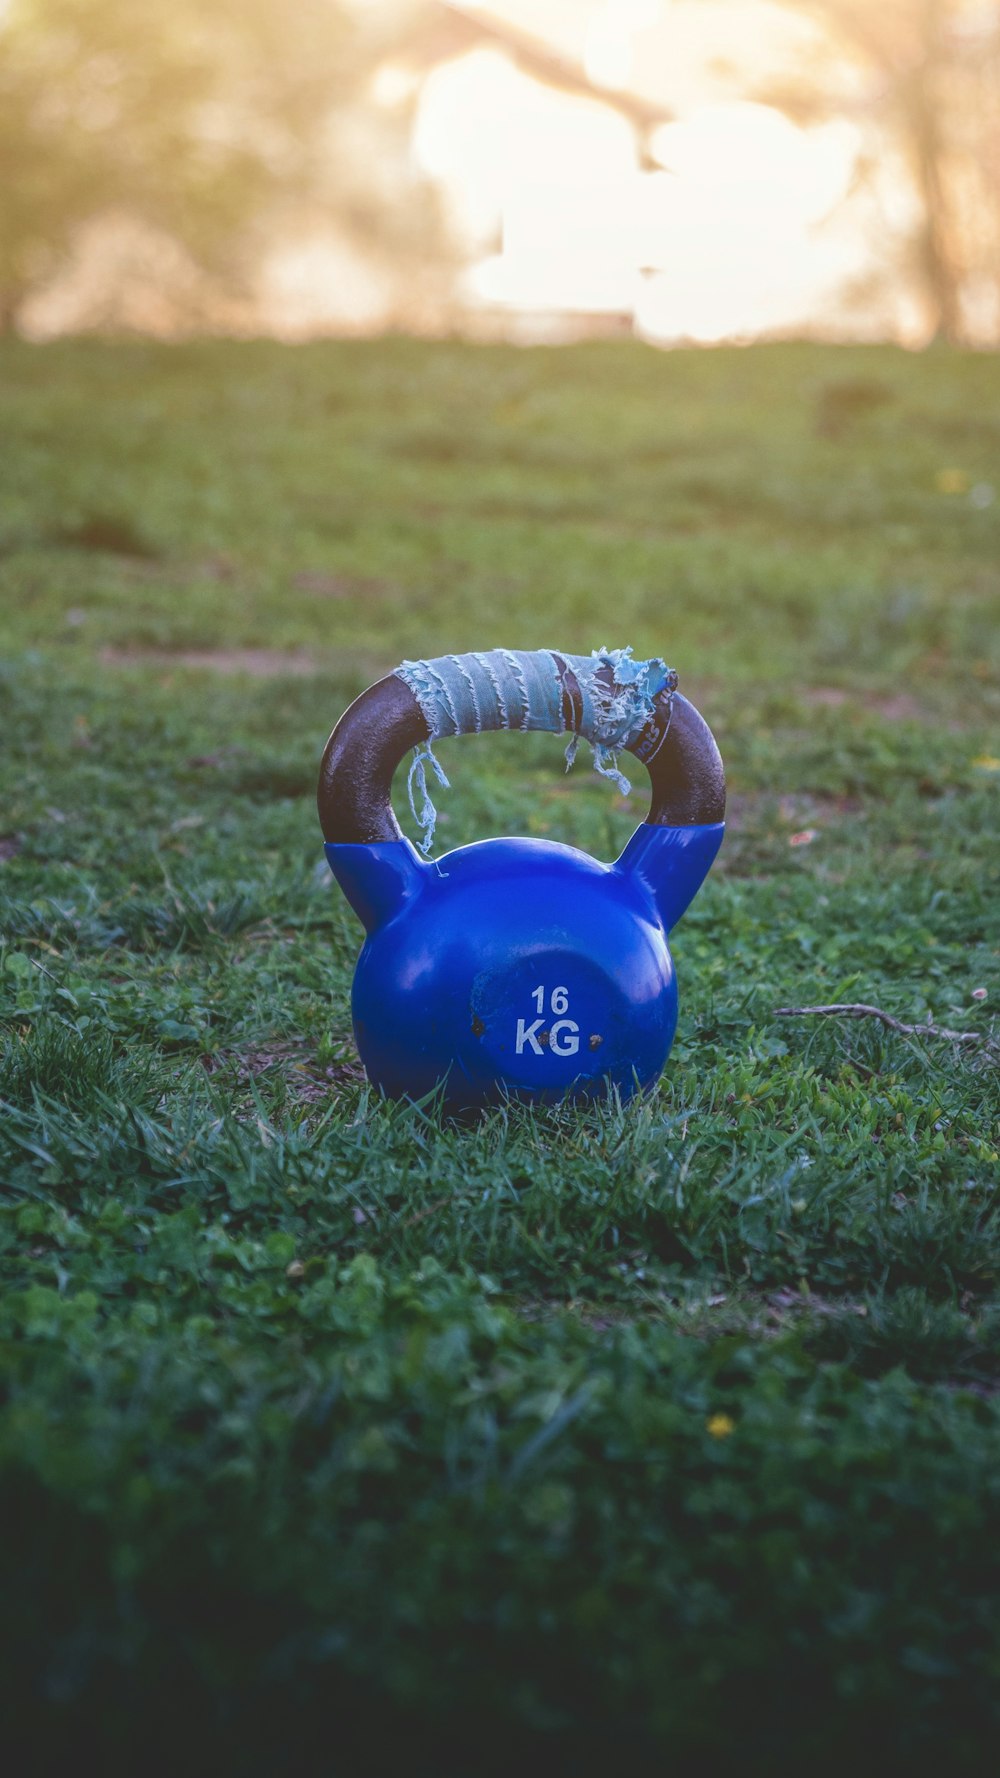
(462, 694)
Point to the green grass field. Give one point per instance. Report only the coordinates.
(623, 1440)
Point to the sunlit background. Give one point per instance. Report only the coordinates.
(688, 170)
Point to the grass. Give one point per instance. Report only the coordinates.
(627, 1435)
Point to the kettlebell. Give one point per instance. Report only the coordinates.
(519, 968)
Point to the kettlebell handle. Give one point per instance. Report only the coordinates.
(382, 725)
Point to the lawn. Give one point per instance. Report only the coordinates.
(623, 1439)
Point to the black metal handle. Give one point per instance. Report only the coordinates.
(382, 725)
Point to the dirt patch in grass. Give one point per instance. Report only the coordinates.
(252, 663)
(110, 534)
(749, 809)
(324, 585)
(306, 1079)
(170, 570)
(898, 706)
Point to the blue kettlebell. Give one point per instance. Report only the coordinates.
(519, 968)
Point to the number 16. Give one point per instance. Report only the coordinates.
(558, 1003)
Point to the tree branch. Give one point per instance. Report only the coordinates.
(858, 1010)
(457, 30)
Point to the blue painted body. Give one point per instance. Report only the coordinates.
(518, 967)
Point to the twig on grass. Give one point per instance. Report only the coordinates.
(857, 1010)
(428, 1210)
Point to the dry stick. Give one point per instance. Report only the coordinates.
(856, 1010)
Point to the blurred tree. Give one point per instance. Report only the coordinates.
(203, 118)
(446, 29)
(926, 74)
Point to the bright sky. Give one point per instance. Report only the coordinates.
(735, 232)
